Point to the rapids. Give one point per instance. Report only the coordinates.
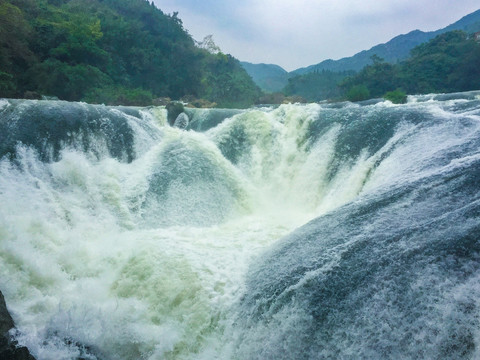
(314, 231)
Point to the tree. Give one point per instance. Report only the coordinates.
(358, 93)
(209, 45)
(15, 55)
(378, 78)
(397, 96)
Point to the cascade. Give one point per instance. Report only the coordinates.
(298, 231)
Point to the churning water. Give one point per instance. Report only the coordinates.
(339, 231)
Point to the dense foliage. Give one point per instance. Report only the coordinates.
(317, 85)
(227, 83)
(448, 63)
(110, 51)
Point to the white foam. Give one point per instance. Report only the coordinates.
(78, 262)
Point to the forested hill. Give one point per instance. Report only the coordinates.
(447, 63)
(113, 52)
(268, 77)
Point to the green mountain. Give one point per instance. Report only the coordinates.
(268, 77)
(395, 50)
(445, 64)
(113, 52)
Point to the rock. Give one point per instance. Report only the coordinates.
(204, 104)
(33, 95)
(187, 99)
(181, 121)
(193, 102)
(161, 101)
(48, 97)
(174, 109)
(6, 321)
(9, 350)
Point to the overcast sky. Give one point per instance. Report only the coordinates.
(298, 33)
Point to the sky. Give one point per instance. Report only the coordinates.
(299, 33)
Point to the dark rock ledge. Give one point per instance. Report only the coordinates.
(9, 349)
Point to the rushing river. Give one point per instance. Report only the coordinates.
(331, 231)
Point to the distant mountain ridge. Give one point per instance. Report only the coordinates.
(395, 50)
(268, 77)
(272, 78)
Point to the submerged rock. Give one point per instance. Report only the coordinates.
(9, 348)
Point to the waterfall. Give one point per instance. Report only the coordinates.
(291, 232)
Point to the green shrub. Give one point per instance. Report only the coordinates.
(358, 93)
(397, 97)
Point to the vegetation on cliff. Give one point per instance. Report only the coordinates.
(111, 51)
